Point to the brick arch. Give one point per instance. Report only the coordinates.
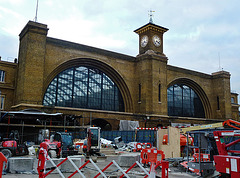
(198, 89)
(107, 69)
(103, 123)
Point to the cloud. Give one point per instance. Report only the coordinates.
(6, 51)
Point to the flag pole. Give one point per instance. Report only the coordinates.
(35, 19)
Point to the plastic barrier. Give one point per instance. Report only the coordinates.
(2, 159)
(141, 146)
(150, 156)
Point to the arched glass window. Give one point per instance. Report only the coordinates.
(84, 87)
(183, 101)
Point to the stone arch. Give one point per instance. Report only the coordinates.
(106, 68)
(198, 89)
(105, 125)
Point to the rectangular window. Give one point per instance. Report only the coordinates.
(232, 100)
(2, 76)
(139, 92)
(159, 92)
(2, 99)
(218, 105)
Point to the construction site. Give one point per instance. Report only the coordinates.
(72, 110)
(199, 151)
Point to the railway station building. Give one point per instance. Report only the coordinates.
(99, 87)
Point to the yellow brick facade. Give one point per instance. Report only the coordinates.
(41, 58)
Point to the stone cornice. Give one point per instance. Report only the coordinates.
(187, 71)
(34, 27)
(8, 64)
(151, 55)
(90, 49)
(221, 74)
(150, 26)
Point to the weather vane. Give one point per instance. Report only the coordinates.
(150, 16)
(35, 19)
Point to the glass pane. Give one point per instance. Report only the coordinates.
(183, 101)
(64, 90)
(84, 87)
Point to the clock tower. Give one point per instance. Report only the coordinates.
(151, 38)
(151, 70)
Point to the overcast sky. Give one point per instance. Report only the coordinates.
(204, 35)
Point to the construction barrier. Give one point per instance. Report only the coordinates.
(141, 146)
(142, 128)
(2, 160)
(43, 157)
(150, 156)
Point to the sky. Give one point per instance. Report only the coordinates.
(204, 35)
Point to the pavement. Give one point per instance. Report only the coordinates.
(112, 171)
(171, 175)
(89, 173)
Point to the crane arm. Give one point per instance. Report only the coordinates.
(202, 127)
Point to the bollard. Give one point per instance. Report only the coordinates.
(2, 159)
(42, 157)
(165, 166)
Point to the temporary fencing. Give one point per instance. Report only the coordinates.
(147, 156)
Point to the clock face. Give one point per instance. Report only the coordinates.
(156, 40)
(144, 41)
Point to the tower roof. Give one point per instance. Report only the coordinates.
(150, 26)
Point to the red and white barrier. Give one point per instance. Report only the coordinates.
(142, 128)
(150, 155)
(2, 160)
(164, 127)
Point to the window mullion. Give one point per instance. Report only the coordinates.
(73, 84)
(88, 88)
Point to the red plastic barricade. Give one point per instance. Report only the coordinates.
(141, 146)
(2, 159)
(151, 155)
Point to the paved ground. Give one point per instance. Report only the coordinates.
(90, 171)
(171, 175)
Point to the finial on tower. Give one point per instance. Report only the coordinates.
(35, 19)
(150, 16)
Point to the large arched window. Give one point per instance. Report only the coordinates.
(183, 101)
(84, 87)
